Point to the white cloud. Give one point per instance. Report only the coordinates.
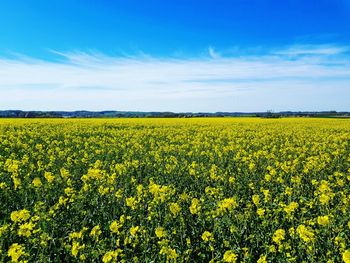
(317, 80)
(313, 50)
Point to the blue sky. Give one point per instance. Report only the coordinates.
(233, 55)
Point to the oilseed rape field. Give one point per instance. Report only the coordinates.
(175, 190)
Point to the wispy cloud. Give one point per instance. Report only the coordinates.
(318, 77)
(313, 50)
(213, 53)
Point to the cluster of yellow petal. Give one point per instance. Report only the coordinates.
(175, 190)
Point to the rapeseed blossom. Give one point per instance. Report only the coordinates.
(256, 200)
(346, 256)
(230, 257)
(49, 177)
(305, 233)
(195, 206)
(278, 236)
(26, 229)
(16, 251)
(207, 236)
(3, 229)
(115, 226)
(174, 208)
(291, 207)
(323, 220)
(37, 182)
(262, 259)
(227, 205)
(95, 232)
(170, 253)
(160, 232)
(260, 212)
(76, 247)
(175, 190)
(20, 215)
(109, 256)
(134, 230)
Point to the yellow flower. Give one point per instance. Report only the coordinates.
(3, 229)
(324, 187)
(260, 212)
(174, 208)
(160, 232)
(103, 190)
(36, 182)
(226, 205)
(207, 236)
(76, 247)
(195, 206)
(288, 191)
(212, 191)
(291, 231)
(77, 235)
(62, 200)
(119, 194)
(122, 219)
(160, 192)
(266, 193)
(26, 229)
(111, 256)
(323, 220)
(20, 215)
(230, 257)
(69, 191)
(305, 234)
(324, 199)
(231, 179)
(346, 256)
(169, 253)
(291, 207)
(251, 166)
(16, 251)
(64, 173)
(49, 177)
(134, 229)
(96, 231)
(256, 200)
(114, 227)
(16, 182)
(131, 202)
(262, 259)
(278, 236)
(268, 177)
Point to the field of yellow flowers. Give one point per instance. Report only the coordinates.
(175, 190)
